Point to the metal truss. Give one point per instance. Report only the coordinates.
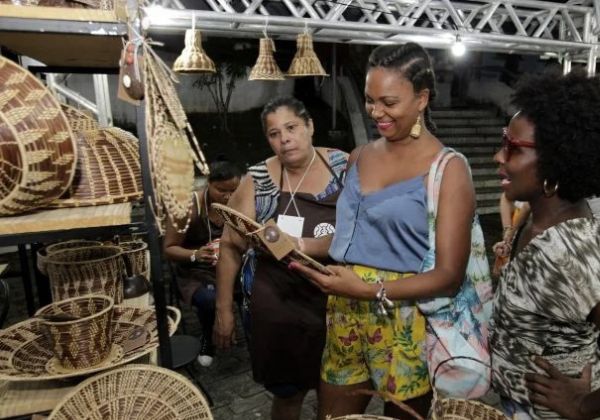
(491, 25)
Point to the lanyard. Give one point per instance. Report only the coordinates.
(293, 193)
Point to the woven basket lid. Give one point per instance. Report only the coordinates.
(305, 62)
(37, 151)
(193, 59)
(266, 68)
(108, 169)
(136, 392)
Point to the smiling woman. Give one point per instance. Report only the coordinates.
(547, 304)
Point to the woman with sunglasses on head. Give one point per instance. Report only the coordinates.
(383, 235)
(547, 304)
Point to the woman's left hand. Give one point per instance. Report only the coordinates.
(341, 282)
(557, 391)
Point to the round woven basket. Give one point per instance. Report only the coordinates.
(37, 151)
(360, 417)
(79, 330)
(42, 253)
(138, 257)
(108, 169)
(135, 392)
(82, 271)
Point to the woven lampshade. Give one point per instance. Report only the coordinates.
(305, 62)
(193, 59)
(266, 68)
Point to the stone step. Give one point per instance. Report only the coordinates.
(481, 160)
(458, 141)
(477, 150)
(486, 182)
(469, 122)
(461, 131)
(484, 196)
(485, 171)
(465, 113)
(488, 210)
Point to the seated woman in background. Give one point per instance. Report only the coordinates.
(547, 304)
(196, 252)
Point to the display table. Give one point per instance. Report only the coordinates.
(22, 398)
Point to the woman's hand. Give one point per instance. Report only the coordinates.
(206, 254)
(501, 249)
(341, 282)
(224, 329)
(559, 392)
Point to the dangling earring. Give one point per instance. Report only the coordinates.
(548, 193)
(415, 131)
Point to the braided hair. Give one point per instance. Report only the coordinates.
(413, 62)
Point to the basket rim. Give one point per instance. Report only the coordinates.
(48, 248)
(133, 368)
(143, 246)
(52, 257)
(108, 308)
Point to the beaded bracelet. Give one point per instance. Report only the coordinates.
(383, 303)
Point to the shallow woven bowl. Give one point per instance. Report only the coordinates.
(42, 254)
(83, 271)
(459, 409)
(135, 392)
(37, 151)
(360, 417)
(84, 341)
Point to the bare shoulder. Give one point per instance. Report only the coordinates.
(242, 199)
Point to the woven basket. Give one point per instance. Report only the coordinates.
(78, 120)
(138, 257)
(135, 392)
(108, 169)
(42, 254)
(25, 351)
(359, 417)
(37, 151)
(82, 271)
(85, 340)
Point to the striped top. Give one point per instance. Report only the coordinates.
(266, 193)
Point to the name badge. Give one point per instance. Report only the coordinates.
(292, 225)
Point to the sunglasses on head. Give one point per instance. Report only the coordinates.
(509, 144)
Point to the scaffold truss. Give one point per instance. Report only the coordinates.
(524, 26)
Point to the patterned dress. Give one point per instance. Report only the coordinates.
(544, 298)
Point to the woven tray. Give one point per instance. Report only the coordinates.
(37, 151)
(25, 353)
(108, 169)
(136, 392)
(248, 229)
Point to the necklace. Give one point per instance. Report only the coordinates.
(295, 190)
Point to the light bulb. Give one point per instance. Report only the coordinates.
(458, 48)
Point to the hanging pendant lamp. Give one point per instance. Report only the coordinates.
(305, 62)
(193, 59)
(266, 68)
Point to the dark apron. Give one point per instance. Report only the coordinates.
(288, 311)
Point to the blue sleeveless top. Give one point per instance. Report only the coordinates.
(386, 229)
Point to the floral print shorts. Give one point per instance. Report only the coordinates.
(387, 350)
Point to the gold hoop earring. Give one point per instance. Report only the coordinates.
(415, 131)
(548, 193)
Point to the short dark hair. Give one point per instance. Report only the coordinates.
(296, 106)
(564, 111)
(223, 170)
(412, 61)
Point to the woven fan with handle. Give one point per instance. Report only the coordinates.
(267, 237)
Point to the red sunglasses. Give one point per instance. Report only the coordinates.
(509, 144)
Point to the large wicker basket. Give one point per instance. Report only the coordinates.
(82, 271)
(79, 330)
(42, 254)
(37, 151)
(108, 169)
(138, 257)
(135, 392)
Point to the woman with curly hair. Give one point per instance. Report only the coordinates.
(546, 307)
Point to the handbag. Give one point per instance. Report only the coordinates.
(457, 327)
